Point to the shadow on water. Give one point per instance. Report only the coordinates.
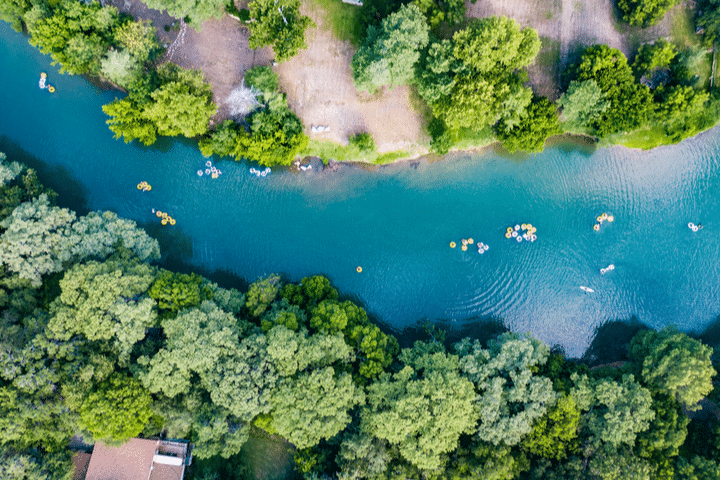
(71, 193)
(479, 328)
(711, 336)
(611, 341)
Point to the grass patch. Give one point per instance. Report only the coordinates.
(390, 157)
(328, 150)
(644, 138)
(683, 27)
(466, 139)
(342, 19)
(549, 55)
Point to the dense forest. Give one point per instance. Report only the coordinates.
(97, 341)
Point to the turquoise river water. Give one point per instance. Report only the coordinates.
(397, 221)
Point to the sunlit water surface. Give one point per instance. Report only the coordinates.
(396, 222)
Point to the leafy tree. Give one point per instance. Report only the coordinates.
(138, 39)
(698, 468)
(555, 433)
(616, 412)
(630, 102)
(436, 12)
(423, 409)
(653, 56)
(35, 465)
(389, 54)
(195, 11)
(582, 104)
(127, 121)
(537, 123)
(282, 313)
(100, 301)
(497, 462)
(329, 316)
(181, 108)
(276, 138)
(263, 78)
(293, 352)
(311, 291)
(372, 12)
(173, 291)
(11, 11)
(261, 294)
(644, 13)
(362, 141)
(708, 18)
(280, 24)
(116, 410)
(512, 398)
(681, 111)
(674, 364)
(618, 464)
(220, 142)
(362, 456)
(314, 406)
(120, 67)
(662, 441)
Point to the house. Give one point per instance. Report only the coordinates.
(137, 459)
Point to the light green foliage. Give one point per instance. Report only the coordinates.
(263, 78)
(644, 13)
(75, 34)
(12, 10)
(311, 291)
(436, 12)
(556, 432)
(389, 54)
(282, 313)
(314, 406)
(197, 339)
(630, 102)
(229, 300)
(116, 410)
(293, 352)
(261, 294)
(101, 301)
(651, 57)
(471, 81)
(182, 108)
(681, 111)
(363, 141)
(674, 364)
(280, 24)
(221, 141)
(173, 291)
(616, 412)
(698, 468)
(512, 398)
(138, 39)
(611, 464)
(98, 235)
(362, 456)
(536, 124)
(375, 350)
(329, 316)
(34, 465)
(120, 67)
(197, 11)
(582, 104)
(127, 121)
(423, 409)
(8, 171)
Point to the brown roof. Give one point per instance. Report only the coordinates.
(130, 461)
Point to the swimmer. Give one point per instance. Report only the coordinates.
(699, 225)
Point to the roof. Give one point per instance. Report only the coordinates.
(138, 459)
(80, 462)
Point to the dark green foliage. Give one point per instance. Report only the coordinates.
(173, 291)
(439, 11)
(441, 139)
(668, 430)
(263, 78)
(644, 13)
(650, 57)
(630, 102)
(372, 12)
(194, 11)
(708, 18)
(261, 294)
(278, 23)
(35, 464)
(683, 111)
(363, 141)
(311, 291)
(539, 122)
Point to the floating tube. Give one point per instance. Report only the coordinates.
(481, 251)
(164, 221)
(533, 238)
(517, 227)
(470, 241)
(51, 89)
(508, 235)
(610, 218)
(529, 226)
(599, 219)
(207, 171)
(452, 245)
(358, 269)
(519, 239)
(486, 247)
(691, 225)
(602, 271)
(159, 213)
(514, 233)
(214, 175)
(139, 186)
(464, 248)
(208, 163)
(199, 173)
(172, 221)
(604, 216)
(464, 242)
(596, 227)
(509, 229)
(695, 229)
(524, 226)
(148, 187)
(43, 75)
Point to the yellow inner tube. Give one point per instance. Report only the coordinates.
(508, 235)
(43, 75)
(596, 227)
(524, 226)
(509, 229)
(599, 219)
(172, 221)
(148, 188)
(139, 186)
(471, 241)
(164, 221)
(610, 218)
(159, 213)
(452, 245)
(51, 89)
(358, 269)
(464, 248)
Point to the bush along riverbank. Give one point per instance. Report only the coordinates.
(97, 341)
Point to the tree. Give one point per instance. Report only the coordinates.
(619, 464)
(120, 67)
(644, 13)
(181, 108)
(314, 406)
(653, 56)
(138, 39)
(280, 24)
(582, 104)
(311, 291)
(674, 364)
(389, 53)
(708, 18)
(196, 11)
(436, 12)
(127, 121)
(512, 398)
(263, 78)
(363, 141)
(35, 465)
(423, 409)
(537, 123)
(11, 12)
(630, 103)
(616, 412)
(261, 294)
(116, 410)
(293, 352)
(662, 441)
(681, 111)
(698, 468)
(173, 291)
(282, 313)
(102, 302)
(555, 433)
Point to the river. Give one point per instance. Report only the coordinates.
(396, 222)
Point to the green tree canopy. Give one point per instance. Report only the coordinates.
(293, 352)
(389, 53)
(173, 291)
(196, 11)
(653, 56)
(674, 364)
(537, 123)
(644, 13)
(35, 465)
(138, 39)
(280, 24)
(555, 433)
(261, 294)
(582, 104)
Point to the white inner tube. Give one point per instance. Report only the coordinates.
(514, 233)
(691, 225)
(695, 229)
(200, 173)
(519, 239)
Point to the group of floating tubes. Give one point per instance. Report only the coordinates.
(515, 232)
(482, 248)
(694, 227)
(610, 267)
(42, 83)
(144, 186)
(602, 218)
(260, 173)
(165, 218)
(210, 170)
